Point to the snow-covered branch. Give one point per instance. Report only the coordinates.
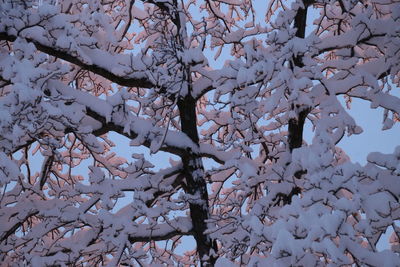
(165, 132)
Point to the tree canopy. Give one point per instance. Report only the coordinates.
(222, 90)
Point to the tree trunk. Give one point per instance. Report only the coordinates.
(196, 185)
(296, 126)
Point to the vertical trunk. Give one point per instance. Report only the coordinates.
(296, 126)
(196, 185)
(296, 130)
(193, 166)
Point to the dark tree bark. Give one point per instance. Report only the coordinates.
(196, 184)
(296, 125)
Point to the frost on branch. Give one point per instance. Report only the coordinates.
(123, 143)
